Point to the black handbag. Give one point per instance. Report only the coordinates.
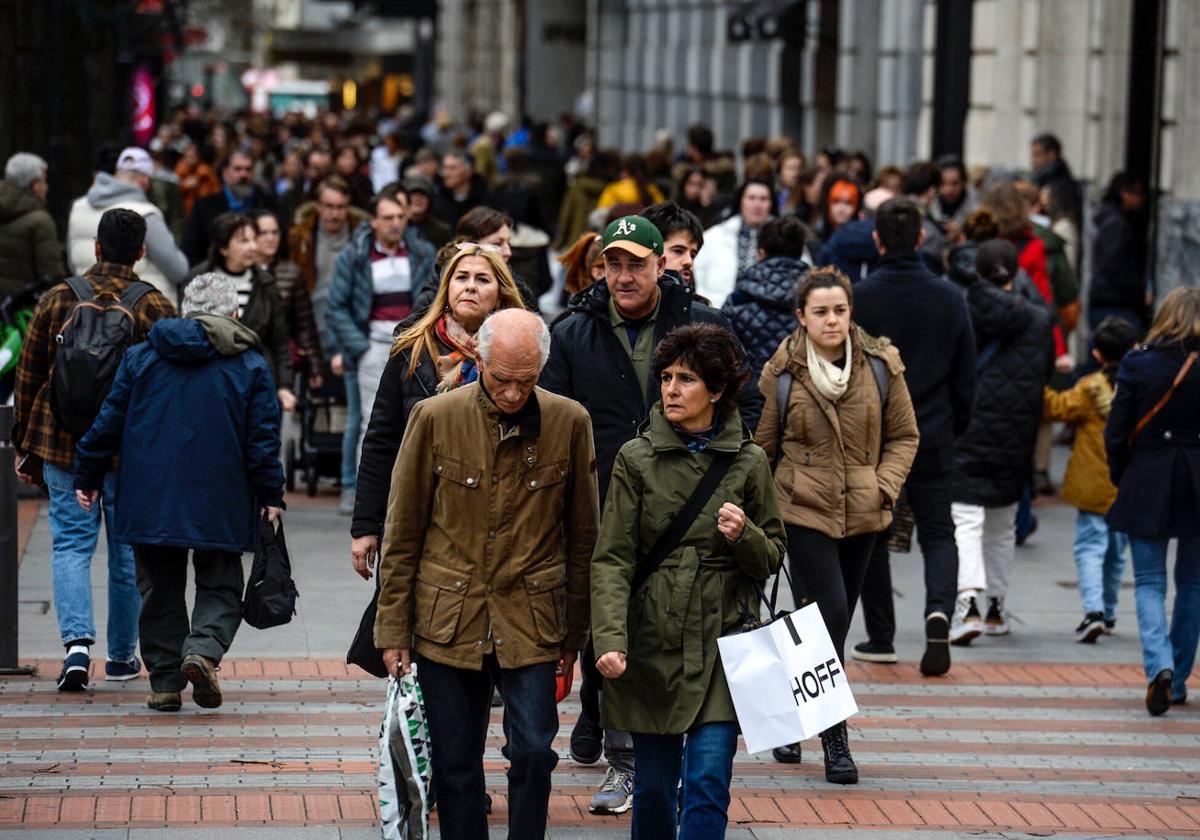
(271, 594)
(363, 652)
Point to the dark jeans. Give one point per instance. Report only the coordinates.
(930, 489)
(618, 745)
(829, 572)
(458, 702)
(703, 760)
(166, 637)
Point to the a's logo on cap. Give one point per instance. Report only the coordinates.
(626, 227)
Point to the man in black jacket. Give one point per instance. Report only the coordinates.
(926, 318)
(238, 193)
(600, 356)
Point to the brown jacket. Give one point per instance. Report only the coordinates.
(1086, 485)
(488, 541)
(831, 477)
(302, 238)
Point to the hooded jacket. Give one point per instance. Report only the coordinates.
(762, 310)
(28, 241)
(194, 416)
(164, 266)
(993, 460)
(1086, 485)
(588, 364)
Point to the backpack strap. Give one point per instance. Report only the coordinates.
(81, 287)
(883, 379)
(135, 292)
(783, 396)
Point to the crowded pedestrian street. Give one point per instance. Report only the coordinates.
(673, 419)
(1029, 735)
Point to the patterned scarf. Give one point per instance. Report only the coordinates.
(460, 365)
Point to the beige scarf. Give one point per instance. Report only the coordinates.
(831, 381)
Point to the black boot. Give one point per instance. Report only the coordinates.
(839, 765)
(789, 754)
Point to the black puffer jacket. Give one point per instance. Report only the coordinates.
(994, 459)
(761, 309)
(398, 393)
(588, 364)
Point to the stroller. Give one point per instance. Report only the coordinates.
(317, 453)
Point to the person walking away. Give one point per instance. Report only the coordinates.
(762, 308)
(297, 305)
(663, 677)
(164, 266)
(733, 244)
(194, 418)
(993, 460)
(1099, 550)
(375, 281)
(842, 434)
(45, 451)
(927, 320)
(601, 357)
(29, 250)
(1153, 459)
(492, 515)
(1118, 288)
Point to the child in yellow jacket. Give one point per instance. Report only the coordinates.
(1099, 551)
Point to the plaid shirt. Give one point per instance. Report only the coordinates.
(35, 430)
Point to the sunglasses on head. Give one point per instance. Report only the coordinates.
(478, 246)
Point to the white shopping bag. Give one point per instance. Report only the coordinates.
(786, 680)
(404, 771)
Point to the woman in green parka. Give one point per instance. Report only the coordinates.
(657, 646)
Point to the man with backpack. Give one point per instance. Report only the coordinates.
(79, 332)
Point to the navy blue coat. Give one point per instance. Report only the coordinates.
(198, 437)
(1158, 476)
(762, 308)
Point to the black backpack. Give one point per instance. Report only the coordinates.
(271, 594)
(96, 334)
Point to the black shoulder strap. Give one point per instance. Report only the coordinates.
(669, 539)
(783, 396)
(134, 293)
(82, 288)
(883, 380)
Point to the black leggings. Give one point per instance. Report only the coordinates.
(831, 573)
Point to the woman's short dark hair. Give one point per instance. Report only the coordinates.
(783, 237)
(224, 228)
(824, 277)
(481, 222)
(712, 352)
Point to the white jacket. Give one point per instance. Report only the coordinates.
(163, 266)
(716, 266)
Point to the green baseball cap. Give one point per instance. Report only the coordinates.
(635, 234)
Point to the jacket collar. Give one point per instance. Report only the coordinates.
(730, 437)
(903, 261)
(673, 295)
(108, 269)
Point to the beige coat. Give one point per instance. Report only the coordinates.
(488, 541)
(831, 477)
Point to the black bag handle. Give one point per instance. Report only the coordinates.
(670, 538)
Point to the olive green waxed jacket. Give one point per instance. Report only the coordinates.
(703, 590)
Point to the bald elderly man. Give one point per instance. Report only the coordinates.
(484, 569)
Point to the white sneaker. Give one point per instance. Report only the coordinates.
(996, 621)
(966, 624)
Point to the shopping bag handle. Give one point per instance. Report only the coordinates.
(771, 601)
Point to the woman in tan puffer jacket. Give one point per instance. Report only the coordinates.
(842, 453)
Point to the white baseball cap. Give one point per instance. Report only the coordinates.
(135, 159)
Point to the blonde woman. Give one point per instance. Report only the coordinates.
(431, 355)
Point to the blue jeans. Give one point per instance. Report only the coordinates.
(457, 706)
(74, 535)
(354, 422)
(1162, 648)
(1100, 563)
(703, 759)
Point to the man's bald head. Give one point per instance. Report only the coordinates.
(513, 348)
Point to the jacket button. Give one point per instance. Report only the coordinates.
(489, 589)
(458, 584)
(1167, 434)
(495, 479)
(562, 473)
(439, 469)
(470, 482)
(529, 461)
(499, 642)
(533, 484)
(491, 535)
(528, 448)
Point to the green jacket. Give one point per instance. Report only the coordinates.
(1064, 283)
(703, 590)
(29, 249)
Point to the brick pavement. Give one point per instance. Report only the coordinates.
(1043, 748)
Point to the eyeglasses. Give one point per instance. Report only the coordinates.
(479, 246)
